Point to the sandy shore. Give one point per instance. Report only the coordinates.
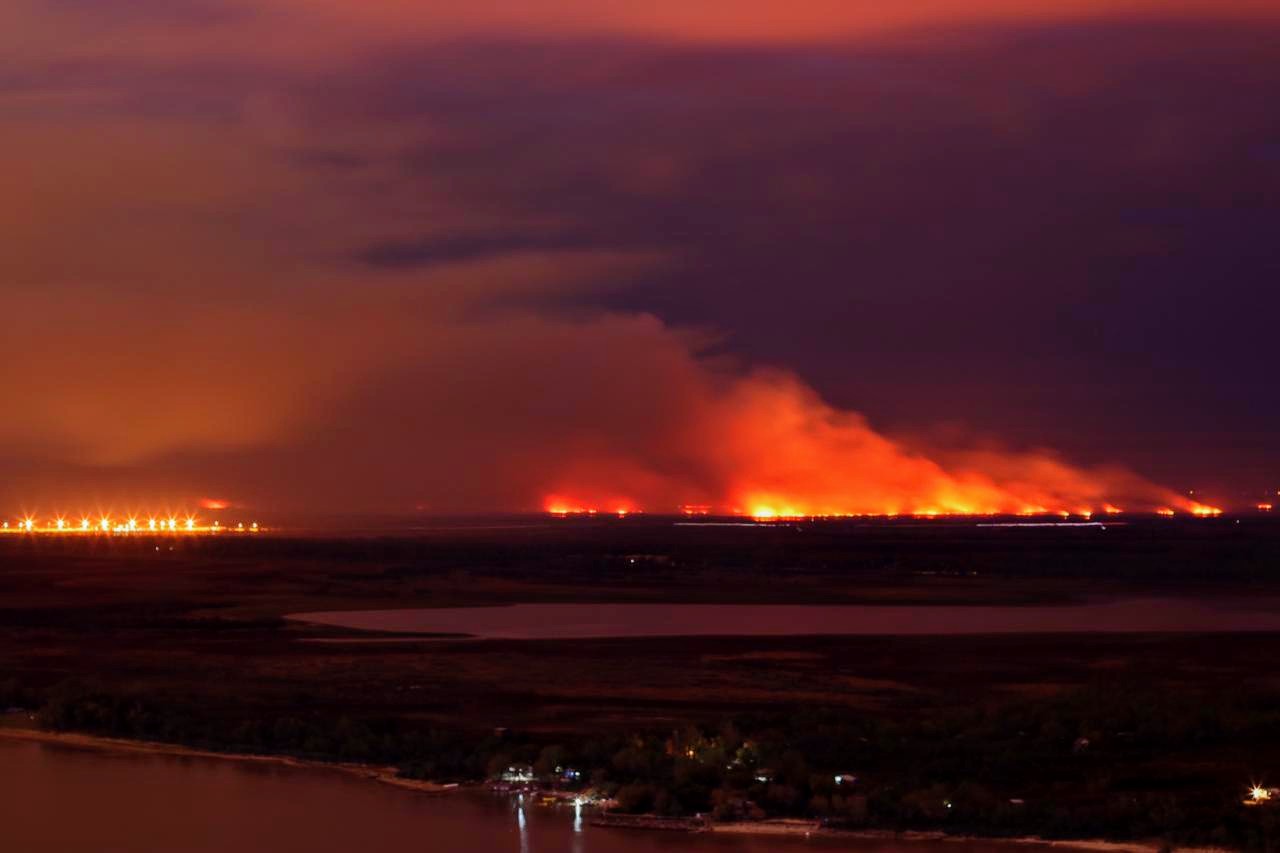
(384, 775)
(807, 828)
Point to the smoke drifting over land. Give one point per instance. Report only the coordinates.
(458, 261)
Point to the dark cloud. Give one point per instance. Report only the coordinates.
(1055, 234)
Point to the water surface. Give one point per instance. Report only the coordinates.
(61, 800)
(580, 621)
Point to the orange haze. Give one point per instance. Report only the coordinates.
(774, 449)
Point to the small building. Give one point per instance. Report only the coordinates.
(517, 774)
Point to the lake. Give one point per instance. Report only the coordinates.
(581, 621)
(56, 799)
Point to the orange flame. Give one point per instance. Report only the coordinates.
(766, 446)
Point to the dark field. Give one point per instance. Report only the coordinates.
(182, 639)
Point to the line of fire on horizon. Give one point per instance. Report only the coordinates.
(107, 524)
(768, 512)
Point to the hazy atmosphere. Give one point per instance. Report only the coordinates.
(835, 256)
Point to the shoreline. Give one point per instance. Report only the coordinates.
(797, 828)
(383, 775)
(810, 829)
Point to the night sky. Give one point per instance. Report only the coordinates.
(326, 256)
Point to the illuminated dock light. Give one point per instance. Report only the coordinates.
(1260, 796)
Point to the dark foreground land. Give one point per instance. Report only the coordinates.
(1118, 736)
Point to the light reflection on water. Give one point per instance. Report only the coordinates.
(60, 800)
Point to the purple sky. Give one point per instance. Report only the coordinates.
(308, 255)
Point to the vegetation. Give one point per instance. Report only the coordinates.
(1094, 763)
(1120, 736)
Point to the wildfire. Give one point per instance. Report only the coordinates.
(765, 512)
(1264, 507)
(767, 447)
(110, 525)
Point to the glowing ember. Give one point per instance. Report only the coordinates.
(1264, 507)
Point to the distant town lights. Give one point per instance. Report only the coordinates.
(114, 525)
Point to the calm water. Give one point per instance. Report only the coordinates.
(62, 800)
(569, 621)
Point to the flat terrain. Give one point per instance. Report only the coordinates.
(203, 616)
(191, 632)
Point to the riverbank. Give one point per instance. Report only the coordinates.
(814, 829)
(388, 776)
(382, 775)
